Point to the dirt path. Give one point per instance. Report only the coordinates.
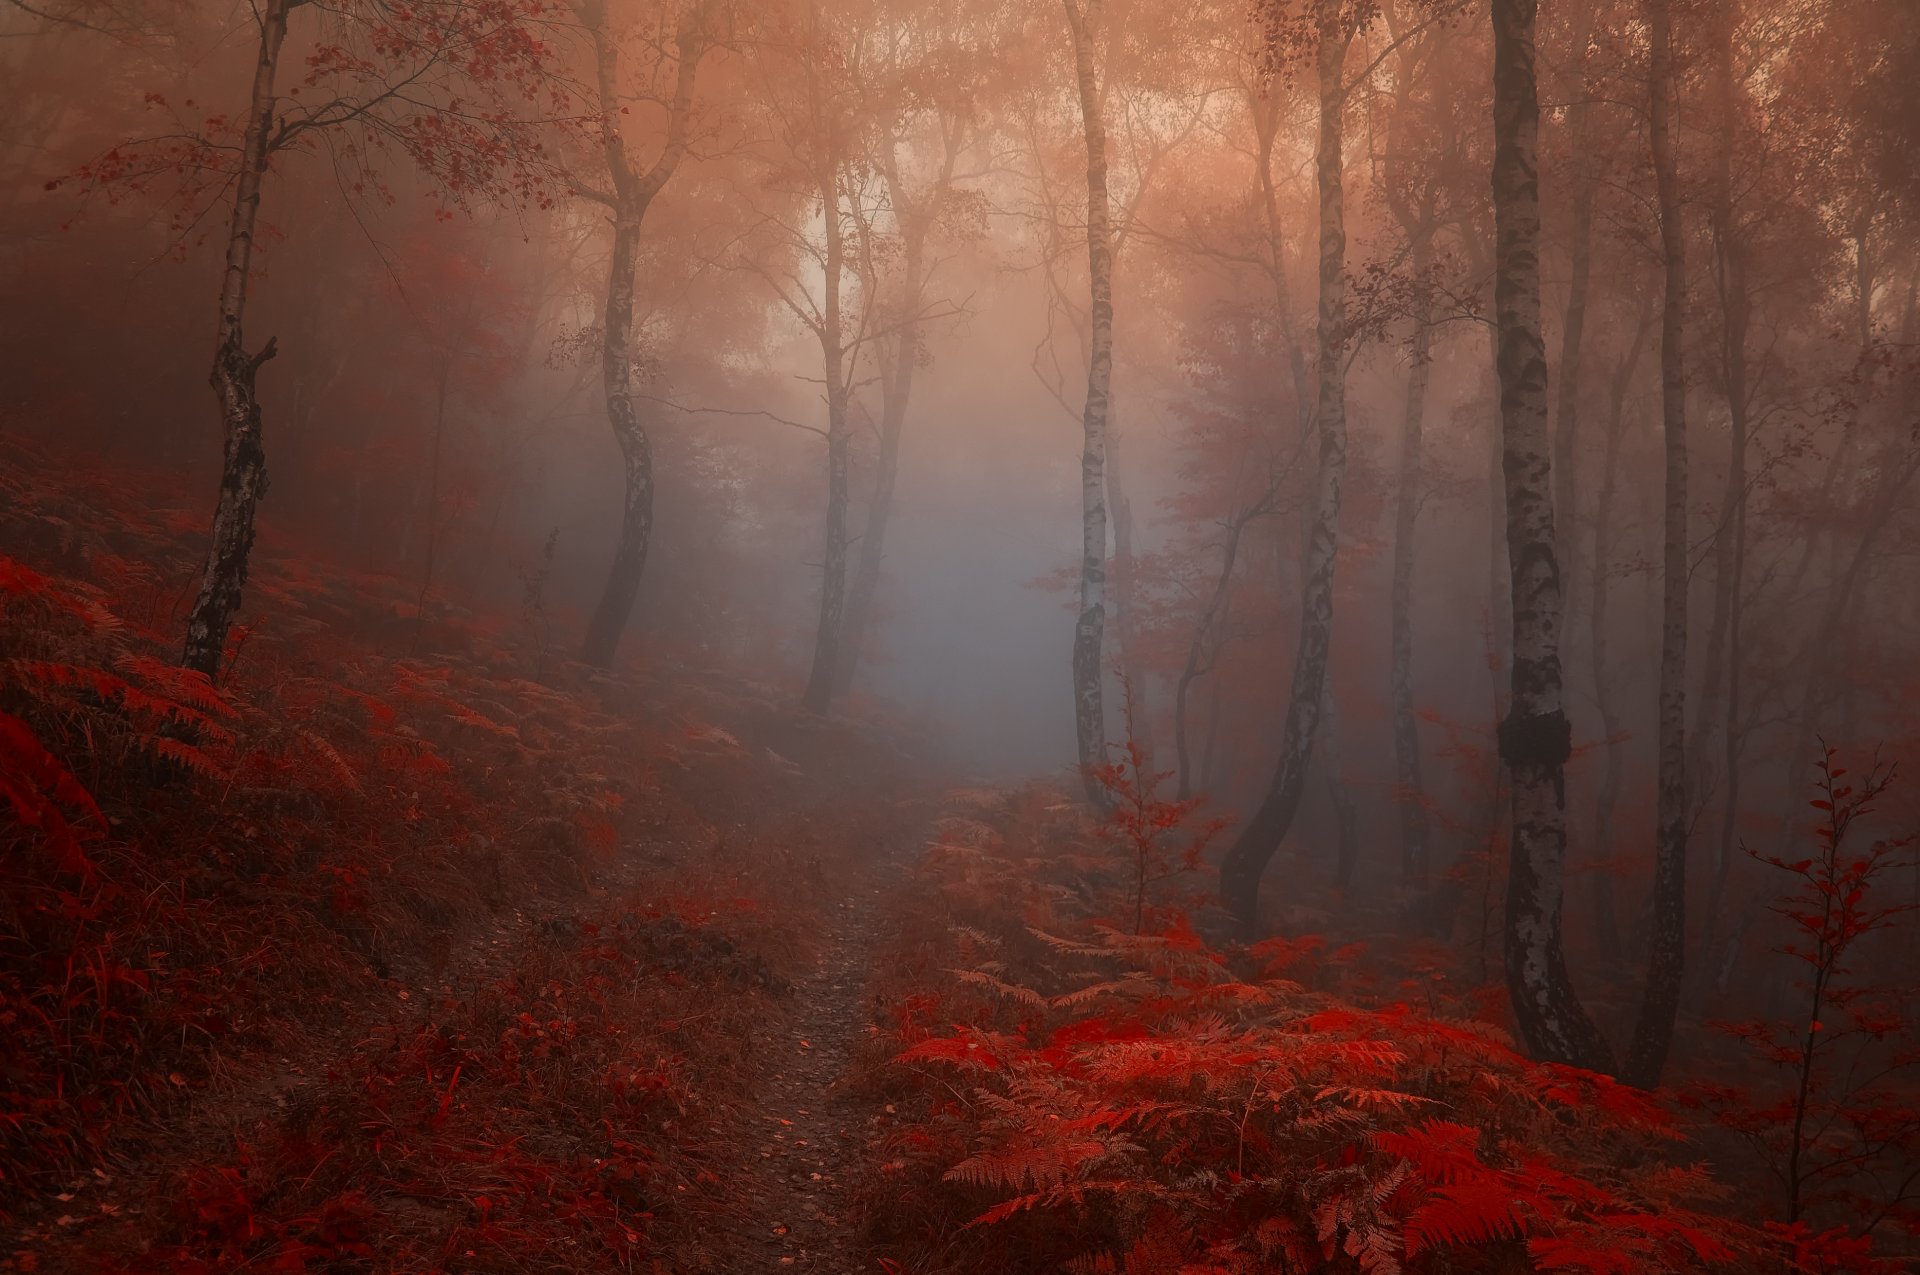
(793, 1194)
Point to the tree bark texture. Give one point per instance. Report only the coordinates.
(1246, 861)
(631, 195)
(243, 467)
(1084, 18)
(1535, 738)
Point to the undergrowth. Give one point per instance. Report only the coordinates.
(406, 948)
(1070, 1091)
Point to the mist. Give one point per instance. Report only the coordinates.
(868, 635)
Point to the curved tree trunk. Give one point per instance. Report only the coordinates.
(1653, 1032)
(631, 195)
(1246, 862)
(243, 469)
(1535, 738)
(1089, 714)
(609, 619)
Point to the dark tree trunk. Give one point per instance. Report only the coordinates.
(1415, 854)
(1535, 738)
(1246, 861)
(1653, 1032)
(1203, 650)
(896, 386)
(243, 468)
(1725, 638)
(1606, 923)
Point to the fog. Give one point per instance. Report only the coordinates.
(824, 496)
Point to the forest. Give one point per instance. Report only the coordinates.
(953, 637)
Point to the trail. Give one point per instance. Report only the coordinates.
(804, 1137)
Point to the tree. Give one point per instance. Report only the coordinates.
(926, 86)
(1653, 1032)
(630, 194)
(1334, 27)
(1536, 738)
(446, 83)
(1085, 23)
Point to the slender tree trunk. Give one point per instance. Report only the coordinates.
(1606, 922)
(833, 584)
(610, 616)
(1724, 632)
(1653, 1033)
(1566, 493)
(899, 357)
(1415, 854)
(1346, 814)
(1535, 738)
(896, 387)
(1140, 721)
(1203, 650)
(1246, 862)
(632, 194)
(243, 470)
(1084, 17)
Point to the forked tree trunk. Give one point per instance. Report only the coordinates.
(631, 195)
(899, 355)
(1535, 738)
(1089, 714)
(243, 468)
(1246, 861)
(1653, 1032)
(833, 582)
(1415, 856)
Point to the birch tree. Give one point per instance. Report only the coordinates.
(1535, 738)
(1085, 23)
(443, 85)
(630, 191)
(1333, 28)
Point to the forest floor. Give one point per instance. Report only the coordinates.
(414, 948)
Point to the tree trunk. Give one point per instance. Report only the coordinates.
(1724, 632)
(243, 469)
(1606, 923)
(899, 356)
(833, 583)
(1089, 714)
(1535, 738)
(1566, 493)
(1202, 651)
(1415, 854)
(1346, 815)
(631, 196)
(1246, 862)
(896, 386)
(1140, 715)
(1653, 1033)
